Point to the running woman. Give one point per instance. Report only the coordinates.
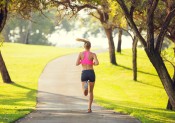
(87, 59)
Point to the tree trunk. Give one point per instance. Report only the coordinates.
(163, 74)
(4, 72)
(169, 106)
(134, 58)
(26, 41)
(108, 32)
(119, 41)
(3, 14)
(28, 30)
(3, 17)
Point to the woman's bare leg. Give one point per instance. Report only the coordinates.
(85, 91)
(91, 95)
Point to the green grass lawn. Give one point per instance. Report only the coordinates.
(25, 64)
(144, 99)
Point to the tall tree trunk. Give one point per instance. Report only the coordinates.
(108, 32)
(5, 75)
(26, 41)
(134, 58)
(169, 106)
(3, 17)
(119, 40)
(28, 30)
(163, 74)
(104, 19)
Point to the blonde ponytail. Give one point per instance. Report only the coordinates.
(87, 44)
(82, 40)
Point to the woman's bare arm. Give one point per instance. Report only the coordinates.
(96, 62)
(78, 60)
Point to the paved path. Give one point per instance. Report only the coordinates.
(60, 98)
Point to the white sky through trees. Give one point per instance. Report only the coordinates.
(67, 39)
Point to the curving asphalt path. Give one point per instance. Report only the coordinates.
(60, 98)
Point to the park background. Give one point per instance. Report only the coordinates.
(144, 99)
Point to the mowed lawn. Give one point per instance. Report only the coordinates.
(25, 63)
(144, 99)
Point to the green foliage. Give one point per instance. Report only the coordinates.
(2, 2)
(116, 14)
(43, 23)
(144, 99)
(160, 14)
(25, 64)
(94, 2)
(66, 25)
(89, 23)
(25, 7)
(93, 27)
(168, 55)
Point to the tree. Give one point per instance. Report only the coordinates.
(119, 40)
(152, 47)
(41, 26)
(33, 31)
(170, 35)
(160, 12)
(3, 16)
(17, 6)
(168, 56)
(5, 75)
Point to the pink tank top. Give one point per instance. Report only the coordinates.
(85, 60)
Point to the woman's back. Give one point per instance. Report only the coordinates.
(87, 58)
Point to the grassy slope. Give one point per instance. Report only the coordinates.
(144, 99)
(25, 64)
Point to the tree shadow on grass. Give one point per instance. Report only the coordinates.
(149, 84)
(15, 101)
(137, 71)
(141, 111)
(143, 73)
(16, 107)
(24, 87)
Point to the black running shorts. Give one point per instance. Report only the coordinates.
(88, 75)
